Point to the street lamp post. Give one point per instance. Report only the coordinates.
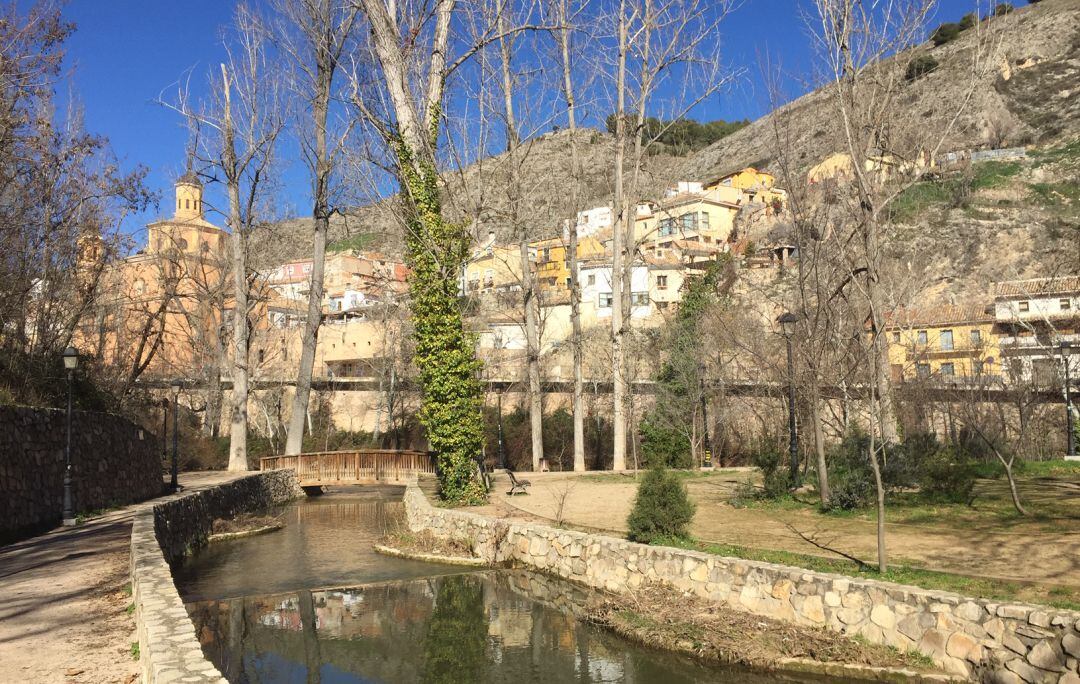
(502, 449)
(706, 461)
(787, 321)
(71, 362)
(176, 385)
(1066, 352)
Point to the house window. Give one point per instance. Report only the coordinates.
(945, 340)
(591, 280)
(605, 300)
(1024, 306)
(922, 338)
(661, 282)
(187, 204)
(667, 227)
(662, 306)
(977, 367)
(1064, 304)
(262, 356)
(704, 220)
(896, 338)
(689, 221)
(547, 254)
(568, 282)
(976, 338)
(948, 369)
(922, 370)
(639, 299)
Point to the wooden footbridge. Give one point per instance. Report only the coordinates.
(366, 466)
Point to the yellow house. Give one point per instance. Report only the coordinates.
(706, 216)
(942, 343)
(553, 263)
(755, 185)
(492, 268)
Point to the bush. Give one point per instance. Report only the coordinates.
(664, 446)
(947, 475)
(920, 66)
(662, 508)
(945, 33)
(775, 475)
(851, 478)
(1002, 9)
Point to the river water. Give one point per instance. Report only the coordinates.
(314, 603)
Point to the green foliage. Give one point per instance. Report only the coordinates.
(358, 241)
(920, 66)
(945, 33)
(455, 646)
(667, 428)
(558, 439)
(993, 174)
(662, 508)
(664, 445)
(1003, 8)
(445, 353)
(682, 136)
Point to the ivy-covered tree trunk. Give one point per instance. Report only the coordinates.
(445, 353)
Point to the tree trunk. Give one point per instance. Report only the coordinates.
(321, 214)
(619, 205)
(572, 248)
(532, 345)
(819, 439)
(238, 422)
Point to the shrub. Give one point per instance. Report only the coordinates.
(920, 66)
(1002, 9)
(662, 508)
(947, 474)
(775, 476)
(663, 445)
(945, 33)
(851, 479)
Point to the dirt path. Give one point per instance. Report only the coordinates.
(1018, 551)
(64, 607)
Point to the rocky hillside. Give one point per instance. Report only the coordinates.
(1029, 88)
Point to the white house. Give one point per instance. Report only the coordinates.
(1033, 318)
(596, 288)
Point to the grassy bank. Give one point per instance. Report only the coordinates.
(1059, 597)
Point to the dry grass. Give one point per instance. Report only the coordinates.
(425, 542)
(668, 619)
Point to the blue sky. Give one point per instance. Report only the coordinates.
(124, 53)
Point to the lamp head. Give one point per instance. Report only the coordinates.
(787, 321)
(71, 358)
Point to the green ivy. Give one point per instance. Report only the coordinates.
(445, 353)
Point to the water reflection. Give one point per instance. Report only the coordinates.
(263, 614)
(326, 542)
(481, 627)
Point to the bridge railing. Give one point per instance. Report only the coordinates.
(363, 465)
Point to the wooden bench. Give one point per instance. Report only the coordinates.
(517, 486)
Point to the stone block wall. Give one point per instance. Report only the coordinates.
(114, 462)
(169, 650)
(983, 640)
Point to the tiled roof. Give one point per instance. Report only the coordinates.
(1036, 286)
(939, 315)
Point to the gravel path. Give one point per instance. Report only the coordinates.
(64, 608)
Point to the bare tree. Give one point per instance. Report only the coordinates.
(861, 50)
(651, 42)
(314, 35)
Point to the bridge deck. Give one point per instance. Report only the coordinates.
(366, 466)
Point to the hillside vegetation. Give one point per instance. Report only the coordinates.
(1011, 219)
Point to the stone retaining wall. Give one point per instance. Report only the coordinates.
(168, 648)
(114, 462)
(985, 640)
